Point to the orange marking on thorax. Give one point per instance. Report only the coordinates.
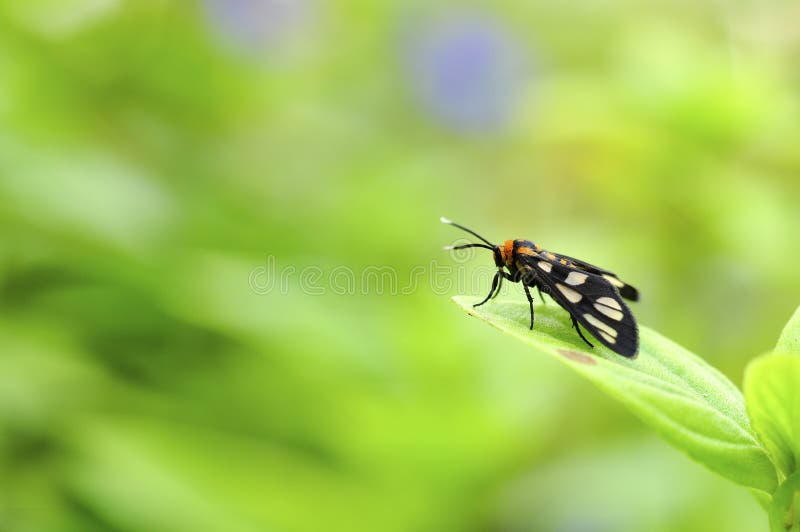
(509, 252)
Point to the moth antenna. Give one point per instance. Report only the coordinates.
(470, 231)
(465, 246)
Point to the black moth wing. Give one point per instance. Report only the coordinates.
(592, 300)
(625, 290)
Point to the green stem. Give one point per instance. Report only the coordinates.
(782, 513)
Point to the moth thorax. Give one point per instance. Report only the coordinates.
(508, 252)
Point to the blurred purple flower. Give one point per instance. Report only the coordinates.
(256, 24)
(466, 71)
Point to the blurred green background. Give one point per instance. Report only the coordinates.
(156, 156)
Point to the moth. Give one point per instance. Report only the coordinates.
(592, 296)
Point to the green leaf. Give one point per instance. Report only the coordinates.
(772, 389)
(789, 342)
(783, 515)
(691, 404)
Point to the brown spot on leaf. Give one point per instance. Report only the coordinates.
(583, 358)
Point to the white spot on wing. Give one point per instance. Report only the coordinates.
(610, 312)
(569, 293)
(608, 338)
(576, 278)
(613, 280)
(600, 325)
(609, 302)
(546, 266)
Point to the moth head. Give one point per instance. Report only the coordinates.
(499, 255)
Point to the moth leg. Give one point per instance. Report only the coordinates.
(577, 328)
(491, 291)
(530, 302)
(533, 281)
(499, 285)
(540, 295)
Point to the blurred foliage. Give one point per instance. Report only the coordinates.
(153, 154)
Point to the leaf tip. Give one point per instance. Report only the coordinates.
(789, 341)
